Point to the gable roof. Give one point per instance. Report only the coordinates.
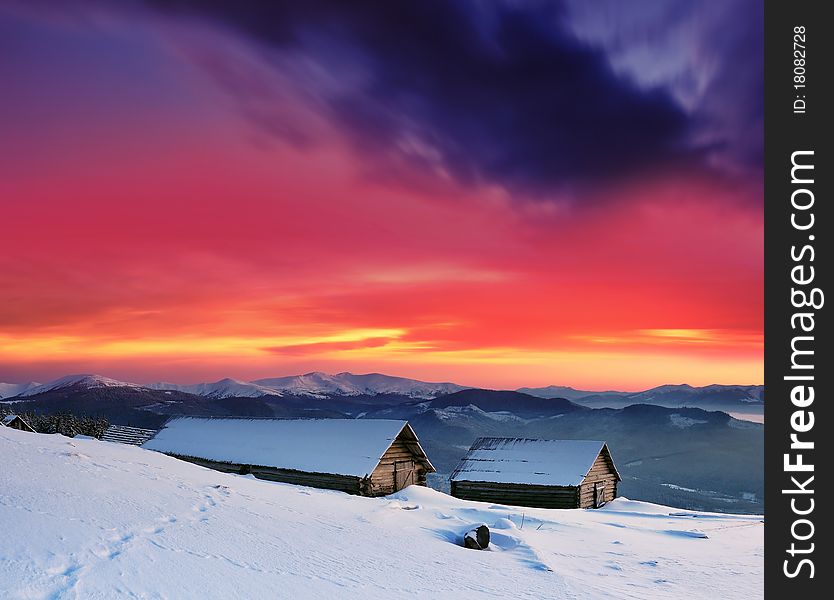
(529, 461)
(339, 446)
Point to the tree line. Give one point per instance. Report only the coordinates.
(64, 423)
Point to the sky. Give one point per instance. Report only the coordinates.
(499, 194)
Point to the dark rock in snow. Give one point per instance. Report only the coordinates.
(477, 539)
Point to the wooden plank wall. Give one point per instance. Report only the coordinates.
(538, 496)
(382, 479)
(601, 470)
(343, 483)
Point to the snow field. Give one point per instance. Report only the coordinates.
(87, 519)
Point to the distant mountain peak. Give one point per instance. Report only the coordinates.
(320, 384)
(224, 388)
(9, 390)
(84, 380)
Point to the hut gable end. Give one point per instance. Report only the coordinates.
(404, 463)
(603, 468)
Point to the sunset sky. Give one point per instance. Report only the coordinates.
(498, 194)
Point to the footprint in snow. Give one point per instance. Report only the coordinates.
(223, 489)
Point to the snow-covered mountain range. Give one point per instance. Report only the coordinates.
(9, 390)
(349, 384)
(323, 385)
(69, 381)
(731, 398)
(719, 457)
(316, 384)
(225, 388)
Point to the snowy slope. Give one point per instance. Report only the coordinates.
(8, 390)
(90, 519)
(84, 381)
(225, 388)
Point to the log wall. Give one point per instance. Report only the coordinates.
(601, 471)
(401, 454)
(343, 483)
(537, 496)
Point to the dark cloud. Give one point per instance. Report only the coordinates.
(708, 55)
(501, 93)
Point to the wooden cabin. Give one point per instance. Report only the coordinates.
(17, 422)
(122, 434)
(537, 473)
(368, 457)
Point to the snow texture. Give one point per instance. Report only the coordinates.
(528, 461)
(338, 446)
(92, 520)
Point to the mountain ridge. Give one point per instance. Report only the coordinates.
(318, 384)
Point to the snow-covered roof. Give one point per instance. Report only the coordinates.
(9, 419)
(528, 461)
(123, 434)
(338, 446)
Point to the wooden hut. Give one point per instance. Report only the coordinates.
(368, 457)
(538, 473)
(122, 434)
(17, 422)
